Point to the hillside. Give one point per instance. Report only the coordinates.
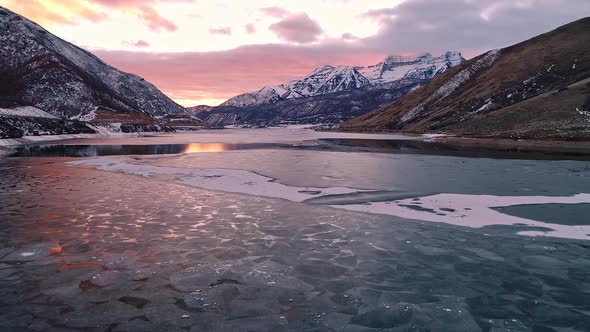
(71, 85)
(535, 89)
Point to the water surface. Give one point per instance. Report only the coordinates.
(256, 238)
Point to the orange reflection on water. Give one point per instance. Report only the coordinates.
(204, 147)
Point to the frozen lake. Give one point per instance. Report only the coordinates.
(290, 229)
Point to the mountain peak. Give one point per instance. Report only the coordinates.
(397, 59)
(330, 79)
(323, 68)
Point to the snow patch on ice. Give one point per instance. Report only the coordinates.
(227, 180)
(476, 211)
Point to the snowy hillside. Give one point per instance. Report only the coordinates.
(65, 80)
(329, 79)
(44, 76)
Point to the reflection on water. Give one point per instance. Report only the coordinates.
(445, 149)
(112, 150)
(390, 146)
(205, 147)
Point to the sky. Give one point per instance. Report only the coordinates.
(206, 51)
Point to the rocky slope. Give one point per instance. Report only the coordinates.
(329, 94)
(195, 110)
(41, 70)
(539, 88)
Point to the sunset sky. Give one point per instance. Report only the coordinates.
(205, 51)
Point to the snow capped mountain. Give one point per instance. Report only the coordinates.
(424, 67)
(324, 80)
(330, 79)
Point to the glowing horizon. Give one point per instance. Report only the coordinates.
(206, 51)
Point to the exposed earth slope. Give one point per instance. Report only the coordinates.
(535, 89)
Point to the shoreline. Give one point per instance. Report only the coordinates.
(533, 145)
(6, 151)
(526, 145)
(582, 147)
(41, 139)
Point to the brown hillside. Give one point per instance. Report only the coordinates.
(520, 91)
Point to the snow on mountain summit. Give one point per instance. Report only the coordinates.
(330, 79)
(422, 67)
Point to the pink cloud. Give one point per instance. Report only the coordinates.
(274, 11)
(45, 12)
(154, 20)
(144, 10)
(222, 75)
(299, 28)
(250, 28)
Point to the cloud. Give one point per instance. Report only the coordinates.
(154, 20)
(349, 36)
(44, 12)
(298, 28)
(381, 13)
(470, 26)
(144, 9)
(220, 31)
(71, 11)
(250, 28)
(222, 75)
(277, 12)
(139, 43)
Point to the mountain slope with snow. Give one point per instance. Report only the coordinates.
(539, 88)
(43, 71)
(329, 79)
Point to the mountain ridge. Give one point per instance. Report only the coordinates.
(330, 94)
(330, 79)
(533, 89)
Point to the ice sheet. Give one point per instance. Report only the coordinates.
(474, 211)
